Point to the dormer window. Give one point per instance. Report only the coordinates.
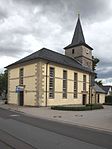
(72, 51)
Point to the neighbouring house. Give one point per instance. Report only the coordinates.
(98, 95)
(47, 78)
(107, 89)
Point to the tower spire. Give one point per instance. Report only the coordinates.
(78, 49)
(78, 36)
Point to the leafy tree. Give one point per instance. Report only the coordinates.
(3, 82)
(95, 62)
(99, 82)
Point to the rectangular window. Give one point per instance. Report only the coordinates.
(51, 83)
(21, 73)
(72, 51)
(64, 84)
(84, 82)
(75, 85)
(98, 98)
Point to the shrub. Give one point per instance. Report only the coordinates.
(107, 104)
(72, 108)
(95, 106)
(108, 99)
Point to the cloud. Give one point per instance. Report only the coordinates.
(104, 68)
(28, 25)
(3, 14)
(107, 81)
(89, 9)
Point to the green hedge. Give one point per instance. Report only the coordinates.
(73, 108)
(110, 104)
(108, 99)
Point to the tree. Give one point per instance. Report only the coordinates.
(3, 82)
(99, 82)
(95, 62)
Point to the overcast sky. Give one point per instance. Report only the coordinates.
(29, 25)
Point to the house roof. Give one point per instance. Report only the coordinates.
(98, 89)
(106, 88)
(78, 37)
(52, 56)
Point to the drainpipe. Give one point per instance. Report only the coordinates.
(91, 98)
(46, 82)
(90, 91)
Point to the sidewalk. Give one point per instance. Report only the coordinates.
(98, 119)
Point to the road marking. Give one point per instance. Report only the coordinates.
(14, 115)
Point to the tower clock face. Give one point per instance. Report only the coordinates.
(87, 51)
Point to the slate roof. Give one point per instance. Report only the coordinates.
(106, 88)
(98, 89)
(52, 56)
(78, 37)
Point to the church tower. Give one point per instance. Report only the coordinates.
(78, 49)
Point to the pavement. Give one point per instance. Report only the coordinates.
(20, 131)
(97, 119)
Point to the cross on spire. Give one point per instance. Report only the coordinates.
(78, 15)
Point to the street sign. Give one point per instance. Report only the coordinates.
(19, 88)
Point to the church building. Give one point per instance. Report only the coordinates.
(47, 78)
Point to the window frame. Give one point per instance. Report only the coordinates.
(51, 83)
(84, 82)
(75, 85)
(21, 76)
(73, 51)
(64, 89)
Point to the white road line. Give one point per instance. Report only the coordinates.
(14, 115)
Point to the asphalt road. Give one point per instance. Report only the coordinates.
(23, 132)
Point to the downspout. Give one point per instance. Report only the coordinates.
(95, 98)
(89, 93)
(46, 82)
(92, 84)
(89, 89)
